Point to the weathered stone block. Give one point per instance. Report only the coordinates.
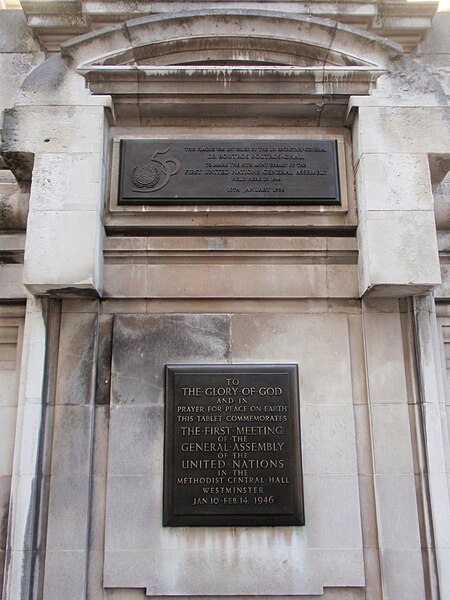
(437, 41)
(76, 359)
(162, 339)
(404, 130)
(330, 428)
(65, 575)
(27, 430)
(334, 501)
(8, 388)
(300, 338)
(357, 357)
(402, 574)
(131, 423)
(15, 35)
(66, 182)
(391, 438)
(36, 361)
(368, 518)
(394, 182)
(398, 252)
(14, 69)
(385, 359)
(168, 575)
(371, 46)
(363, 439)
(342, 281)
(54, 82)
(441, 500)
(397, 511)
(11, 287)
(53, 129)
(319, 33)
(91, 45)
(5, 488)
(104, 351)
(72, 441)
(25, 486)
(435, 418)
(50, 259)
(68, 513)
(207, 281)
(7, 437)
(130, 503)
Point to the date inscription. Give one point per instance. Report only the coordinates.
(229, 171)
(232, 445)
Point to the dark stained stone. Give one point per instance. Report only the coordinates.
(143, 344)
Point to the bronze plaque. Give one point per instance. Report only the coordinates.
(232, 446)
(228, 172)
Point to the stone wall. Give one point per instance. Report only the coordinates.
(96, 297)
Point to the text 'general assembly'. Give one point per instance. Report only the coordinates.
(237, 171)
(232, 445)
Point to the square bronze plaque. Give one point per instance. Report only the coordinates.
(251, 171)
(232, 445)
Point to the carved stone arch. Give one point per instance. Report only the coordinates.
(258, 56)
(238, 50)
(262, 36)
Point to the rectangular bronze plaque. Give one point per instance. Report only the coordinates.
(232, 445)
(228, 172)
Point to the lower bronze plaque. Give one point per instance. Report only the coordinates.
(232, 445)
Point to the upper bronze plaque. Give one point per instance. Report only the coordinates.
(228, 172)
(232, 445)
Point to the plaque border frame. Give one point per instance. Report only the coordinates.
(227, 200)
(260, 520)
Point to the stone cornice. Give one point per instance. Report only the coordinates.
(54, 22)
(313, 92)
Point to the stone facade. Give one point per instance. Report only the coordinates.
(96, 297)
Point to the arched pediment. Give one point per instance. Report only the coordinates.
(258, 57)
(237, 35)
(210, 62)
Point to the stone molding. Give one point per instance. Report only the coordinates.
(304, 59)
(401, 21)
(139, 89)
(134, 40)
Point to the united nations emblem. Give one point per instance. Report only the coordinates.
(153, 176)
(145, 176)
